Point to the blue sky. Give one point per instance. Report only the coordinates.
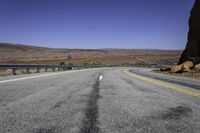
(140, 24)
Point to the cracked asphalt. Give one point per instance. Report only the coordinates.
(82, 102)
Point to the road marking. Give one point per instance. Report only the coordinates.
(100, 77)
(157, 82)
(43, 75)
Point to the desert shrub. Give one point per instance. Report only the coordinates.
(62, 63)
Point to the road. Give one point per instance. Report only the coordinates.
(103, 100)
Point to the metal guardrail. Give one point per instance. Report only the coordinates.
(38, 67)
(34, 65)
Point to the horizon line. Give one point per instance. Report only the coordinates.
(111, 48)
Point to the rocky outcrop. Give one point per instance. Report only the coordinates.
(183, 67)
(197, 66)
(191, 54)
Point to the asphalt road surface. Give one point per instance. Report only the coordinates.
(104, 100)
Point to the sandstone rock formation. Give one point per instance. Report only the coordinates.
(197, 66)
(191, 55)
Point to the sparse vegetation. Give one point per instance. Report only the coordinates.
(62, 63)
(21, 54)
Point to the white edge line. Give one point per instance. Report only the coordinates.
(38, 76)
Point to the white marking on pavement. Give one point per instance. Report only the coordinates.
(100, 77)
(38, 76)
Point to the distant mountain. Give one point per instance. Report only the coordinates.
(13, 47)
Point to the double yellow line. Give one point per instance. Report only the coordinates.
(162, 84)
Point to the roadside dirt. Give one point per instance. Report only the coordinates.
(195, 73)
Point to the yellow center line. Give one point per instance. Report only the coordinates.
(156, 82)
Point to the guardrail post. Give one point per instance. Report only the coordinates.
(27, 70)
(38, 70)
(13, 71)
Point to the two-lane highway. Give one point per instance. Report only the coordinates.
(103, 100)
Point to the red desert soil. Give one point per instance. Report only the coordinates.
(24, 54)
